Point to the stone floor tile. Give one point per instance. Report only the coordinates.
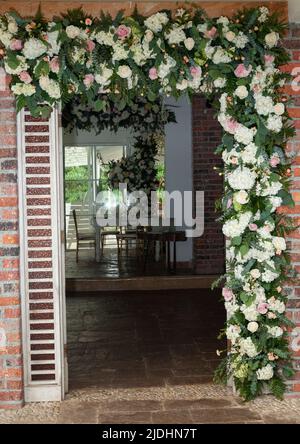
(172, 417)
(125, 418)
(224, 415)
(204, 403)
(78, 413)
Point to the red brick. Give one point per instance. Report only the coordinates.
(8, 201)
(10, 239)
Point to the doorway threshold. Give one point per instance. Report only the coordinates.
(170, 282)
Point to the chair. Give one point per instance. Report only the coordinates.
(128, 235)
(110, 231)
(82, 237)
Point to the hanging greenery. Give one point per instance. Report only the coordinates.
(141, 116)
(169, 53)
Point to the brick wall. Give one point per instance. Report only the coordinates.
(11, 392)
(209, 253)
(292, 42)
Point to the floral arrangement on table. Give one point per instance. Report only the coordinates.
(139, 170)
(170, 53)
(141, 116)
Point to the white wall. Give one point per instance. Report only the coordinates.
(122, 137)
(178, 160)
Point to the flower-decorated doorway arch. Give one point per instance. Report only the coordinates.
(168, 53)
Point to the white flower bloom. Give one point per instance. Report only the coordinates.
(181, 86)
(264, 13)
(271, 39)
(54, 44)
(104, 77)
(255, 273)
(72, 31)
(265, 373)
(5, 38)
(279, 243)
(263, 104)
(230, 36)
(124, 71)
(248, 155)
(78, 55)
(220, 82)
(268, 275)
(233, 332)
(275, 201)
(279, 109)
(148, 37)
(50, 86)
(252, 326)
(274, 123)
(105, 38)
(276, 305)
(244, 135)
(221, 56)
(250, 312)
(276, 332)
(241, 92)
(176, 35)
(189, 43)
(241, 197)
(231, 307)
(12, 25)
(223, 20)
(23, 88)
(241, 178)
(120, 53)
(240, 40)
(156, 21)
(247, 347)
(236, 227)
(34, 48)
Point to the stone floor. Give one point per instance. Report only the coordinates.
(148, 358)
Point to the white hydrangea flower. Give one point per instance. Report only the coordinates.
(264, 105)
(176, 35)
(34, 48)
(274, 123)
(252, 326)
(264, 13)
(276, 305)
(272, 39)
(276, 202)
(248, 154)
(268, 275)
(50, 86)
(265, 373)
(242, 178)
(231, 308)
(5, 38)
(119, 52)
(247, 347)
(53, 42)
(105, 74)
(244, 135)
(236, 227)
(240, 40)
(221, 56)
(250, 312)
(105, 38)
(276, 332)
(156, 21)
(26, 89)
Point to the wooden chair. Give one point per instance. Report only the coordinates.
(82, 237)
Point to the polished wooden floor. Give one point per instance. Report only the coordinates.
(126, 272)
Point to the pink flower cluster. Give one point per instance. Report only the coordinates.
(123, 32)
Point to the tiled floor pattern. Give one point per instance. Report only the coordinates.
(148, 358)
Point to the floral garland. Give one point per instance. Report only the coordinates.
(138, 171)
(168, 53)
(141, 116)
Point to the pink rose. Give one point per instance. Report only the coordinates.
(54, 65)
(88, 21)
(25, 77)
(123, 32)
(196, 71)
(262, 308)
(227, 294)
(16, 45)
(274, 161)
(253, 227)
(269, 58)
(90, 45)
(211, 33)
(88, 80)
(231, 125)
(153, 73)
(242, 71)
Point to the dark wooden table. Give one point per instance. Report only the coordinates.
(166, 237)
